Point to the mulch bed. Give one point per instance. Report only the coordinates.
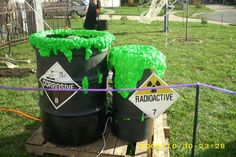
(16, 72)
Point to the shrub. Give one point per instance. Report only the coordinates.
(123, 19)
(197, 3)
(179, 6)
(204, 20)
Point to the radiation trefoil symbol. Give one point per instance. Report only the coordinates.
(150, 84)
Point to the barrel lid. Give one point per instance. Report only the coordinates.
(130, 62)
(65, 41)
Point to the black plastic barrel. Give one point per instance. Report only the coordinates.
(129, 123)
(71, 117)
(132, 65)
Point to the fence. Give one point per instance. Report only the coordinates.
(14, 23)
(17, 20)
(56, 14)
(196, 110)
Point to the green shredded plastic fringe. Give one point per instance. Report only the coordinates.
(129, 63)
(142, 117)
(53, 41)
(85, 84)
(100, 76)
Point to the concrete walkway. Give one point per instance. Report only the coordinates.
(221, 7)
(172, 17)
(224, 13)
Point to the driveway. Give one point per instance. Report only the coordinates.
(222, 12)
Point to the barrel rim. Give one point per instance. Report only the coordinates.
(54, 41)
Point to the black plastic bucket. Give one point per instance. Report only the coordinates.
(71, 117)
(129, 122)
(102, 25)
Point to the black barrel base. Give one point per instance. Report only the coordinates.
(131, 130)
(73, 131)
(129, 123)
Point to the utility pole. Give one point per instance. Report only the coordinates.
(166, 17)
(186, 33)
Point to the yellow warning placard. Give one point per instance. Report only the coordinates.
(153, 81)
(154, 102)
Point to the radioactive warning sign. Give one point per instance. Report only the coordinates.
(154, 102)
(57, 78)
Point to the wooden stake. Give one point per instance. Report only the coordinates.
(150, 138)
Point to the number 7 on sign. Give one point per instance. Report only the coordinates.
(154, 111)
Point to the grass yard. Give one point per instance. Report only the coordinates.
(213, 62)
(129, 10)
(193, 9)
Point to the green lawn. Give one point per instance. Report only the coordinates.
(193, 9)
(129, 10)
(213, 62)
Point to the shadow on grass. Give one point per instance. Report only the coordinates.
(218, 151)
(199, 26)
(14, 145)
(141, 32)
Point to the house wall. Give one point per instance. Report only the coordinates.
(110, 3)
